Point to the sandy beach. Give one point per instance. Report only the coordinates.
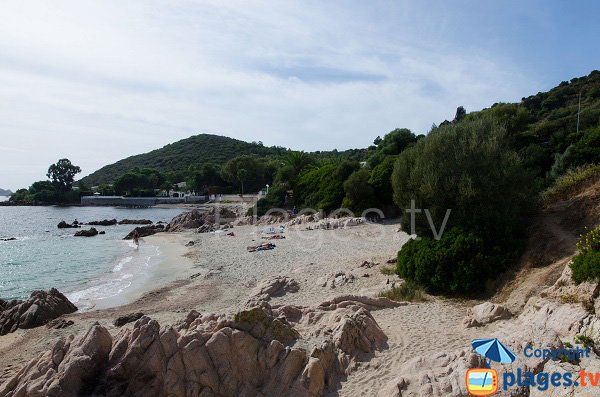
(215, 273)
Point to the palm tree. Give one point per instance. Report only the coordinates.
(299, 161)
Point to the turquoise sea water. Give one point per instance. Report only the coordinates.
(88, 270)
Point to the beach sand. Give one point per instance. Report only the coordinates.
(218, 274)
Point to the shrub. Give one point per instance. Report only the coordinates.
(586, 266)
(470, 168)
(407, 291)
(359, 193)
(460, 262)
(570, 182)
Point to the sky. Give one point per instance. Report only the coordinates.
(98, 81)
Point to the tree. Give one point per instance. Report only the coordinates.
(360, 195)
(253, 176)
(460, 114)
(299, 161)
(62, 174)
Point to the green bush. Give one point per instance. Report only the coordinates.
(322, 188)
(460, 262)
(360, 195)
(470, 168)
(586, 264)
(569, 182)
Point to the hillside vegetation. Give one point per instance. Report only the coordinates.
(183, 155)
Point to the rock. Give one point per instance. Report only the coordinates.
(368, 264)
(190, 244)
(8, 239)
(38, 310)
(245, 354)
(59, 323)
(65, 225)
(441, 374)
(87, 233)
(129, 318)
(273, 287)
(105, 222)
(485, 313)
(144, 231)
(206, 228)
(68, 370)
(135, 222)
(102, 232)
(333, 280)
(194, 219)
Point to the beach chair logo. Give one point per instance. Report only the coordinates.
(484, 381)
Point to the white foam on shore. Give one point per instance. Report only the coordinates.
(132, 270)
(121, 263)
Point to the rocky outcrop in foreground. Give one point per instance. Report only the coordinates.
(36, 311)
(262, 351)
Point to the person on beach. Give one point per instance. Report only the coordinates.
(136, 238)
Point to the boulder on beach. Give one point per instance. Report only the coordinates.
(144, 231)
(105, 222)
(8, 239)
(194, 219)
(65, 225)
(36, 311)
(129, 318)
(245, 354)
(485, 313)
(135, 222)
(87, 233)
(272, 287)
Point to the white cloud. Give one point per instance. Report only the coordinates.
(99, 81)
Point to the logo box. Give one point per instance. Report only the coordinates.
(482, 381)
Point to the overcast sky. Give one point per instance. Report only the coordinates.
(97, 81)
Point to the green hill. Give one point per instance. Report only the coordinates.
(181, 155)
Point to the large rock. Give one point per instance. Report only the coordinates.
(485, 313)
(87, 233)
(68, 370)
(135, 222)
(194, 219)
(65, 225)
(144, 231)
(252, 353)
(272, 287)
(105, 222)
(36, 311)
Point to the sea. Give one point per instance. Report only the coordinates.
(93, 272)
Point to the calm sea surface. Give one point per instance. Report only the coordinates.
(88, 270)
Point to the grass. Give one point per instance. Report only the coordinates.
(388, 270)
(407, 291)
(569, 298)
(569, 182)
(585, 340)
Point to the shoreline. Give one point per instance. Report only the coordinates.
(169, 266)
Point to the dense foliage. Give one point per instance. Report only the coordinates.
(586, 264)
(470, 169)
(460, 262)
